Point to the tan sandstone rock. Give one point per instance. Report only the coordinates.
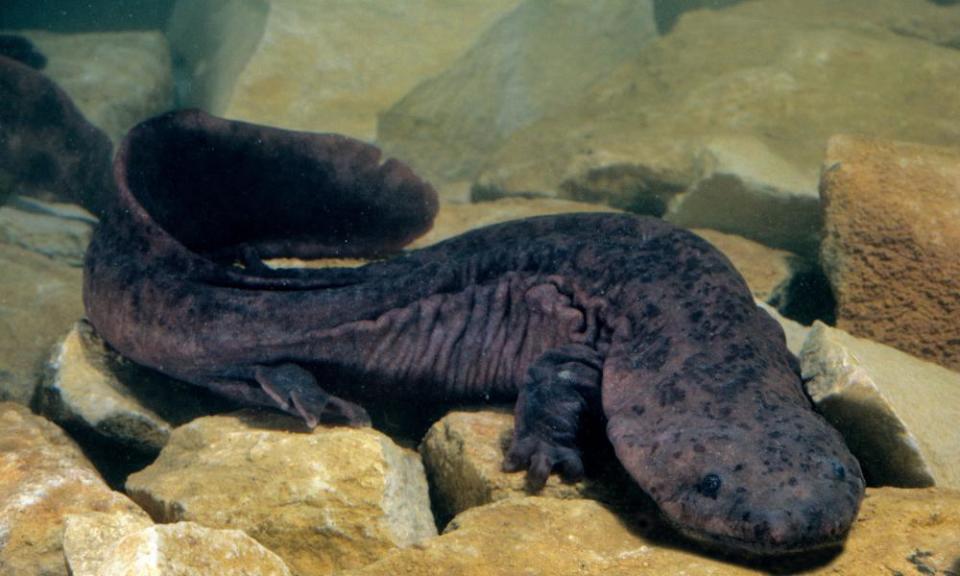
(40, 300)
(88, 538)
(898, 413)
(322, 65)
(116, 79)
(44, 477)
(463, 454)
(322, 500)
(189, 549)
(897, 532)
(891, 246)
(729, 115)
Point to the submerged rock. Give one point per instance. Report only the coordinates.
(189, 549)
(534, 61)
(44, 477)
(93, 390)
(738, 102)
(463, 454)
(88, 538)
(898, 532)
(323, 65)
(897, 413)
(795, 332)
(891, 244)
(41, 299)
(58, 231)
(456, 218)
(324, 500)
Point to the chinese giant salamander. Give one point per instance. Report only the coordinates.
(572, 314)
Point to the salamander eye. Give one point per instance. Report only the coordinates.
(839, 472)
(709, 485)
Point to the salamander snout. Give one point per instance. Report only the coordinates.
(759, 494)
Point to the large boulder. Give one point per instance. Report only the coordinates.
(44, 477)
(538, 59)
(327, 500)
(323, 65)
(891, 245)
(723, 122)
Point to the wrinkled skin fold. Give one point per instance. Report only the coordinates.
(587, 319)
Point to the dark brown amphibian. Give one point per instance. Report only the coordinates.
(701, 399)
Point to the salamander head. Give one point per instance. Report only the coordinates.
(755, 492)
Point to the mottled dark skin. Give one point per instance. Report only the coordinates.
(22, 50)
(48, 150)
(590, 317)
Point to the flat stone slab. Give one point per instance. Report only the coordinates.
(898, 413)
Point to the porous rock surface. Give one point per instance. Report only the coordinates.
(189, 549)
(897, 412)
(535, 60)
(729, 114)
(89, 537)
(891, 245)
(40, 300)
(324, 500)
(323, 65)
(44, 477)
(898, 532)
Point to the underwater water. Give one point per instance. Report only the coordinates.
(480, 287)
